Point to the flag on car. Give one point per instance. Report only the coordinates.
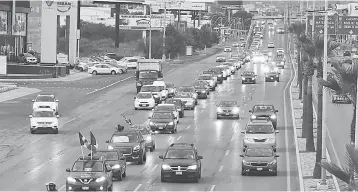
(94, 144)
(127, 120)
(83, 141)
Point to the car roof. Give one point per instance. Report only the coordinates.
(166, 105)
(182, 146)
(126, 131)
(89, 158)
(43, 109)
(264, 105)
(49, 95)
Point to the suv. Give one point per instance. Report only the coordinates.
(259, 133)
(248, 77)
(262, 112)
(179, 104)
(168, 108)
(46, 101)
(218, 73)
(259, 160)
(116, 160)
(131, 143)
(181, 162)
(89, 174)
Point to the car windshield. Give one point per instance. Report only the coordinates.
(108, 155)
(263, 108)
(148, 75)
(180, 154)
(28, 55)
(88, 166)
(228, 103)
(263, 129)
(45, 98)
(162, 115)
(169, 85)
(165, 108)
(186, 89)
(205, 77)
(43, 114)
(173, 101)
(125, 138)
(150, 89)
(259, 152)
(183, 95)
(144, 95)
(228, 64)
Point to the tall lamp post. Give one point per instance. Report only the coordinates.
(164, 28)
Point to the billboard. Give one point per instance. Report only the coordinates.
(179, 5)
(3, 22)
(353, 9)
(144, 22)
(228, 2)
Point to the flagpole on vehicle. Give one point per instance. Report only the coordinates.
(83, 156)
(91, 151)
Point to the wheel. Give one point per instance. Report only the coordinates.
(243, 173)
(278, 80)
(192, 108)
(109, 189)
(181, 115)
(113, 72)
(124, 174)
(200, 174)
(173, 131)
(120, 71)
(196, 180)
(162, 179)
(32, 131)
(217, 117)
(333, 101)
(94, 72)
(120, 177)
(196, 102)
(81, 69)
(254, 82)
(283, 67)
(140, 161)
(55, 131)
(242, 82)
(153, 146)
(238, 117)
(135, 108)
(275, 173)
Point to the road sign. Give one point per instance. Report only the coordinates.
(337, 25)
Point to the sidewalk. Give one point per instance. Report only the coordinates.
(306, 159)
(17, 93)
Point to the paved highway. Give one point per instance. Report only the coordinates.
(45, 157)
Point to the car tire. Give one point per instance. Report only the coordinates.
(218, 117)
(135, 108)
(192, 108)
(162, 179)
(173, 131)
(275, 173)
(238, 117)
(243, 173)
(140, 161)
(283, 67)
(196, 180)
(333, 101)
(196, 102)
(55, 131)
(113, 72)
(94, 72)
(124, 174)
(32, 131)
(278, 80)
(120, 177)
(200, 174)
(154, 147)
(254, 82)
(81, 69)
(120, 71)
(145, 156)
(242, 82)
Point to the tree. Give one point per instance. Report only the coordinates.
(347, 173)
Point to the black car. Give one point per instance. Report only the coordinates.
(131, 143)
(181, 162)
(263, 111)
(163, 121)
(89, 174)
(201, 91)
(116, 160)
(259, 160)
(272, 76)
(227, 109)
(248, 77)
(180, 105)
(218, 74)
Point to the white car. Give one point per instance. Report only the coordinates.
(168, 107)
(43, 120)
(130, 62)
(271, 27)
(227, 49)
(208, 78)
(144, 100)
(280, 51)
(171, 89)
(163, 89)
(45, 101)
(154, 90)
(104, 69)
(271, 45)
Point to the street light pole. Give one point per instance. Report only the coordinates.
(306, 30)
(164, 28)
(150, 31)
(313, 19)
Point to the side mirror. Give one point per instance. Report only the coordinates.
(68, 170)
(277, 156)
(30, 116)
(57, 100)
(276, 111)
(160, 156)
(33, 100)
(57, 116)
(277, 131)
(250, 111)
(122, 158)
(241, 155)
(135, 97)
(149, 117)
(107, 141)
(200, 157)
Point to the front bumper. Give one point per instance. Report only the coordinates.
(220, 60)
(248, 80)
(47, 129)
(134, 157)
(272, 78)
(89, 187)
(185, 175)
(162, 128)
(230, 114)
(144, 106)
(268, 143)
(269, 168)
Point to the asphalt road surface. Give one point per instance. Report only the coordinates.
(44, 158)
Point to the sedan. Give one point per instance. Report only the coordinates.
(104, 69)
(227, 109)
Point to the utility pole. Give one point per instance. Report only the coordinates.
(313, 19)
(150, 31)
(164, 28)
(306, 30)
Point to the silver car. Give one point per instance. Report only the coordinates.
(147, 134)
(259, 133)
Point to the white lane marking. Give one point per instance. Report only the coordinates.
(62, 188)
(221, 168)
(212, 188)
(137, 188)
(153, 169)
(227, 153)
(188, 126)
(298, 159)
(110, 85)
(178, 138)
(327, 152)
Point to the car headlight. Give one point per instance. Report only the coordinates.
(101, 179)
(193, 167)
(151, 123)
(71, 180)
(171, 123)
(243, 78)
(219, 110)
(203, 91)
(220, 75)
(117, 166)
(271, 138)
(149, 138)
(235, 110)
(165, 167)
(110, 147)
(156, 96)
(136, 148)
(245, 162)
(253, 116)
(273, 162)
(139, 84)
(273, 116)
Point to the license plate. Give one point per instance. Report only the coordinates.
(85, 188)
(43, 125)
(271, 77)
(227, 113)
(179, 173)
(259, 169)
(160, 127)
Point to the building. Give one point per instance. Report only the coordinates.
(13, 30)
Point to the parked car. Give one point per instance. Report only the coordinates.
(27, 58)
(104, 69)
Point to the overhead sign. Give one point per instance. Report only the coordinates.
(144, 22)
(119, 1)
(353, 9)
(337, 25)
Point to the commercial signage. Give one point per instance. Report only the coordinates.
(19, 28)
(178, 5)
(3, 23)
(337, 25)
(353, 9)
(63, 6)
(144, 22)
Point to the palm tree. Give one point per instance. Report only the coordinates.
(348, 173)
